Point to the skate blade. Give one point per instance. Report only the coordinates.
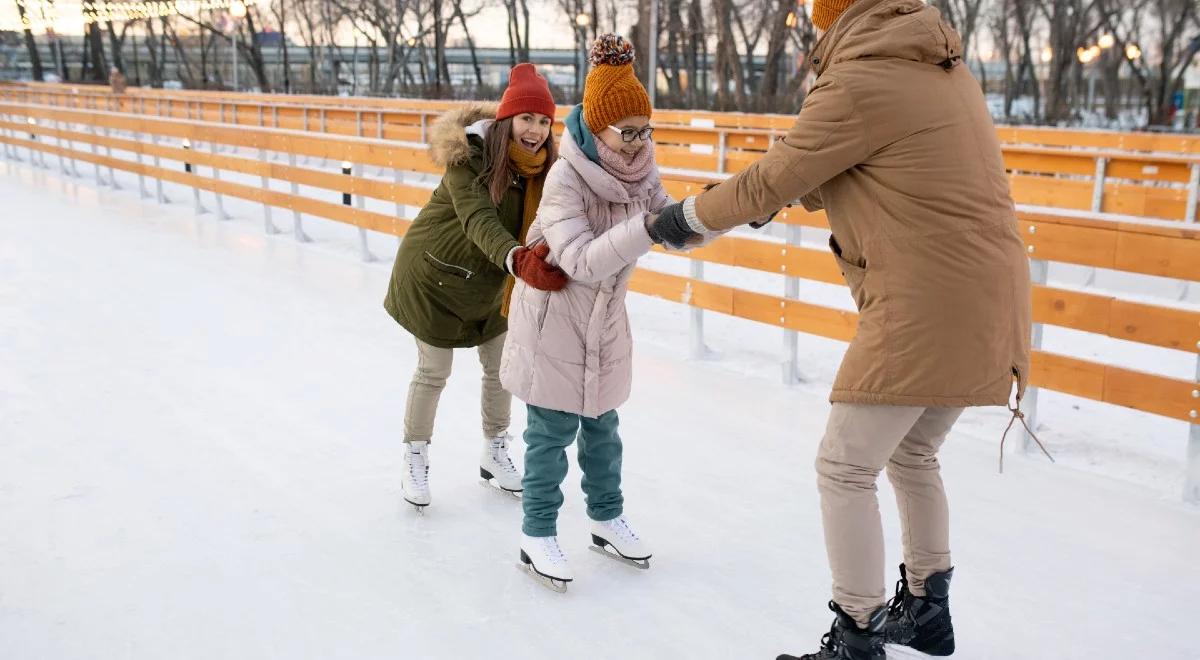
(557, 586)
(515, 494)
(611, 554)
(420, 508)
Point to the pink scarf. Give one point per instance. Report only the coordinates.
(627, 171)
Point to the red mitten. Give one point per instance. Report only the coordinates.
(531, 267)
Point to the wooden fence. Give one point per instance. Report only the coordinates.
(175, 149)
(1142, 175)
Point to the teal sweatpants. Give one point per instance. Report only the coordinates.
(548, 433)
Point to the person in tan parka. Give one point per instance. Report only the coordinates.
(895, 142)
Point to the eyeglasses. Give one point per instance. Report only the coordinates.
(631, 134)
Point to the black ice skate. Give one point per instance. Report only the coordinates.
(922, 622)
(846, 641)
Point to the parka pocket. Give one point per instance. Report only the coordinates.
(854, 274)
(446, 267)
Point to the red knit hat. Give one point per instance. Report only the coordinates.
(527, 91)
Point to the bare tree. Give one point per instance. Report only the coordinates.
(462, 19)
(786, 26)
(728, 65)
(1160, 81)
(279, 9)
(518, 40)
(1071, 22)
(35, 58)
(573, 9)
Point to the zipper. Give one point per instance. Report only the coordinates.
(469, 273)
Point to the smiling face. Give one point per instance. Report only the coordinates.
(530, 130)
(612, 139)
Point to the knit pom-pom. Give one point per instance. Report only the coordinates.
(611, 49)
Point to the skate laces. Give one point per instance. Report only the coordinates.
(500, 453)
(418, 468)
(895, 606)
(621, 526)
(552, 551)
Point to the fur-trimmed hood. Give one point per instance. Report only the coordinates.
(448, 143)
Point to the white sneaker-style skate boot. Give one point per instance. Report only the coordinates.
(415, 482)
(495, 464)
(544, 560)
(617, 539)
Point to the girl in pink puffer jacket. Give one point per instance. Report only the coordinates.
(568, 353)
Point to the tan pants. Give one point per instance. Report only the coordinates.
(433, 368)
(859, 442)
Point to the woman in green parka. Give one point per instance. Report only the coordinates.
(453, 272)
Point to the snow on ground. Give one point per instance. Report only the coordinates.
(200, 456)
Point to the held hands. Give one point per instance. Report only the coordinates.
(670, 227)
(530, 265)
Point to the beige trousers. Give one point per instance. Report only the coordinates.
(433, 368)
(859, 442)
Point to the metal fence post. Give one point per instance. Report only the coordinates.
(791, 338)
(112, 175)
(697, 350)
(360, 202)
(721, 150)
(73, 161)
(158, 184)
(268, 226)
(188, 167)
(141, 174)
(396, 176)
(306, 129)
(96, 153)
(58, 141)
(297, 223)
(1193, 193)
(8, 149)
(323, 132)
(1190, 215)
(1191, 487)
(1097, 203)
(1039, 271)
(216, 175)
(34, 160)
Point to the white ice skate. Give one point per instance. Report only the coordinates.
(616, 539)
(415, 482)
(496, 468)
(545, 562)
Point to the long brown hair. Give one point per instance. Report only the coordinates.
(497, 174)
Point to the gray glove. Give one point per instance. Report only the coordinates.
(670, 227)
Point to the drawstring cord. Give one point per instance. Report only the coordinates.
(1017, 414)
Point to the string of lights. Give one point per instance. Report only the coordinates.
(42, 13)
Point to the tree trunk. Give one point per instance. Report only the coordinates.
(462, 20)
(283, 47)
(35, 58)
(116, 45)
(777, 39)
(96, 44)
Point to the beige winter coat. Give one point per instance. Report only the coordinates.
(896, 143)
(571, 350)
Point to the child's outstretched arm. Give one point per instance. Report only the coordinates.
(584, 256)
